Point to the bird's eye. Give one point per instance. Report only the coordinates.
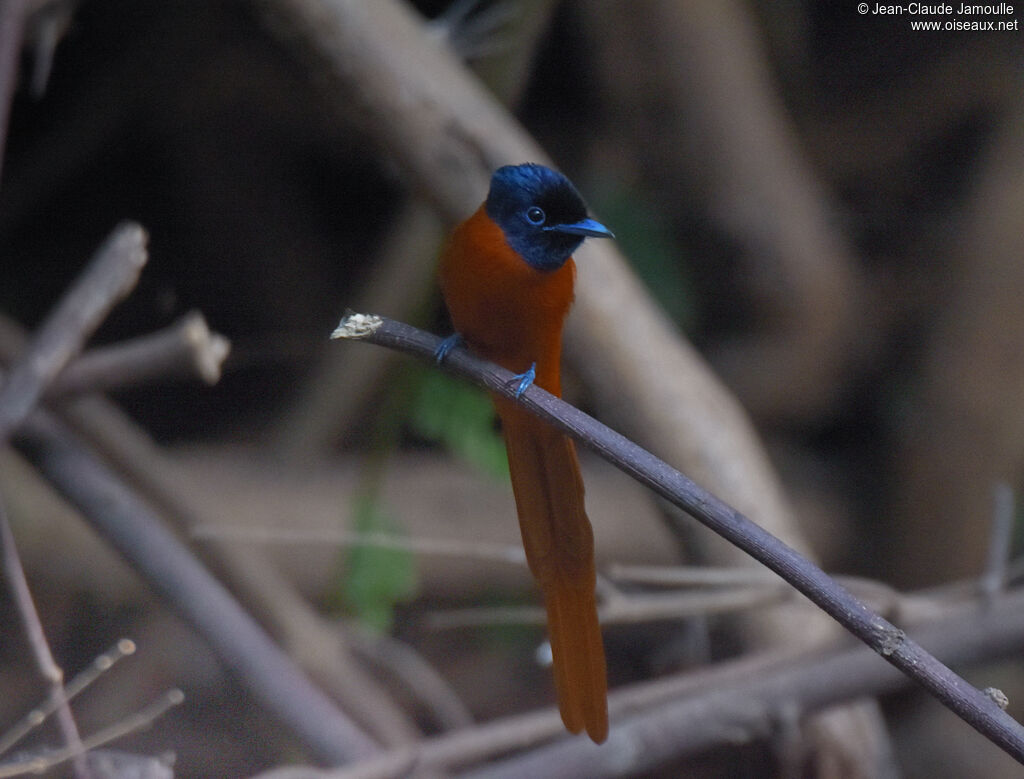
(535, 215)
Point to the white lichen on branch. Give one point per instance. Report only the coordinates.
(357, 326)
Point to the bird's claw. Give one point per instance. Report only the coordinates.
(525, 379)
(445, 347)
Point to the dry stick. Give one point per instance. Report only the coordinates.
(129, 524)
(685, 713)
(886, 639)
(733, 707)
(319, 646)
(138, 534)
(22, 597)
(188, 345)
(110, 275)
(186, 348)
(189, 348)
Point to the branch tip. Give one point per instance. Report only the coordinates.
(210, 349)
(356, 326)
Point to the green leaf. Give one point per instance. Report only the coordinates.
(375, 577)
(461, 418)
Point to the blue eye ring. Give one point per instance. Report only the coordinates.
(535, 215)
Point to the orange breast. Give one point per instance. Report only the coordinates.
(508, 312)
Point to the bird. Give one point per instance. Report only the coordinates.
(507, 277)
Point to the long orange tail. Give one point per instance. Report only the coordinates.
(559, 544)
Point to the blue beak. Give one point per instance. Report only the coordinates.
(588, 228)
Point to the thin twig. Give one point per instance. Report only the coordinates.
(690, 575)
(745, 588)
(80, 682)
(138, 534)
(130, 724)
(103, 663)
(880, 596)
(110, 275)
(448, 547)
(51, 672)
(965, 700)
(623, 609)
(1000, 540)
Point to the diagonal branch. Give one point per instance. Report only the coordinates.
(969, 703)
(109, 276)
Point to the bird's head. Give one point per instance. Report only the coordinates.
(541, 214)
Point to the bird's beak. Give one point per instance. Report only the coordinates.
(589, 228)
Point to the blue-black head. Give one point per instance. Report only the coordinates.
(541, 213)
